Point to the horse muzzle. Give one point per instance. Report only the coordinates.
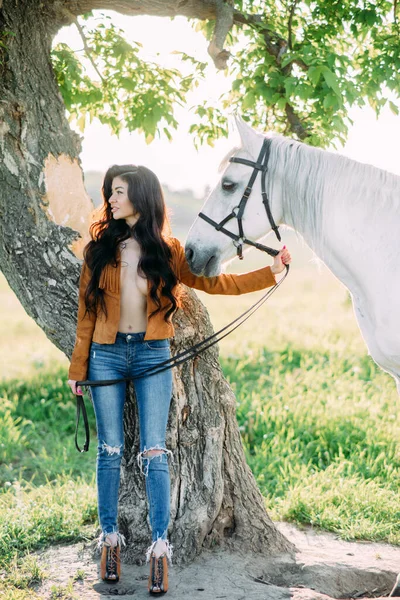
(203, 262)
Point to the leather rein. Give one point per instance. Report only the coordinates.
(238, 240)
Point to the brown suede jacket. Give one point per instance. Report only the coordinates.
(98, 329)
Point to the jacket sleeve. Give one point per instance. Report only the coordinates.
(222, 284)
(84, 331)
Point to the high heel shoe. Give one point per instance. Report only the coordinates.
(158, 578)
(110, 564)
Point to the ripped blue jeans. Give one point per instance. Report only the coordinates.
(127, 357)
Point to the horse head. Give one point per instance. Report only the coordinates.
(206, 247)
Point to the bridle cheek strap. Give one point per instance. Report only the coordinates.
(237, 213)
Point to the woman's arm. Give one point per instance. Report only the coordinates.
(84, 331)
(223, 284)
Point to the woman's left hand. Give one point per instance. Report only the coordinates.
(280, 260)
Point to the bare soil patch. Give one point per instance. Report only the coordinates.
(323, 568)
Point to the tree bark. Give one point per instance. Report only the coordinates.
(45, 213)
(41, 184)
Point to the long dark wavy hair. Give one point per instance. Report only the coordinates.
(151, 232)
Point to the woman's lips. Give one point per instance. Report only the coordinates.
(113, 210)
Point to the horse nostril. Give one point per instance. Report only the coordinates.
(189, 253)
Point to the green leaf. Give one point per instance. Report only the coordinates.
(331, 80)
(281, 103)
(370, 17)
(393, 108)
(314, 74)
(128, 84)
(267, 93)
(249, 100)
(236, 85)
(290, 86)
(167, 133)
(331, 101)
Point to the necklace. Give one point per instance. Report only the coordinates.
(125, 243)
(127, 246)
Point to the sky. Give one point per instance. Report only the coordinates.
(178, 164)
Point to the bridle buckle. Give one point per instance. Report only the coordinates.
(247, 192)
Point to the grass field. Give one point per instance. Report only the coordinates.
(317, 417)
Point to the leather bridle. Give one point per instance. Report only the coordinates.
(237, 213)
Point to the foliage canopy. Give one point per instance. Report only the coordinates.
(296, 67)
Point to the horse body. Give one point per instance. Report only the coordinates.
(364, 260)
(353, 227)
(347, 212)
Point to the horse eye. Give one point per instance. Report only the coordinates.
(228, 186)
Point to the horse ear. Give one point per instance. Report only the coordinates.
(247, 134)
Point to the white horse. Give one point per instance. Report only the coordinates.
(347, 212)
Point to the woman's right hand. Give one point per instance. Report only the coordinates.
(280, 260)
(77, 390)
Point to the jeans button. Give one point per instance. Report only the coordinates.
(128, 337)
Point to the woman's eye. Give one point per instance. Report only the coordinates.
(228, 186)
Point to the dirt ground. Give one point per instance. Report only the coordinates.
(324, 568)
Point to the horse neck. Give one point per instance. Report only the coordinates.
(335, 203)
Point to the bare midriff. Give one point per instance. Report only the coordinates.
(133, 318)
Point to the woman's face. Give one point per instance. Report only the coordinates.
(121, 206)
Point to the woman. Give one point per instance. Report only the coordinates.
(128, 292)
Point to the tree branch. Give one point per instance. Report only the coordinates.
(195, 9)
(296, 125)
(277, 46)
(88, 51)
(220, 10)
(223, 24)
(290, 22)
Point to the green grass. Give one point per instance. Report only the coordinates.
(318, 421)
(321, 437)
(47, 489)
(34, 517)
(23, 573)
(36, 430)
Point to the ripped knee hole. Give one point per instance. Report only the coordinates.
(111, 449)
(148, 454)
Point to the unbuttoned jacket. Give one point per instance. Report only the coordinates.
(103, 330)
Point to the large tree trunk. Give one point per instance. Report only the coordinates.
(215, 499)
(45, 214)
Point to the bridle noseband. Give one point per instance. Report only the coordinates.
(238, 211)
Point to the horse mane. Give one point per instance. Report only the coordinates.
(316, 176)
